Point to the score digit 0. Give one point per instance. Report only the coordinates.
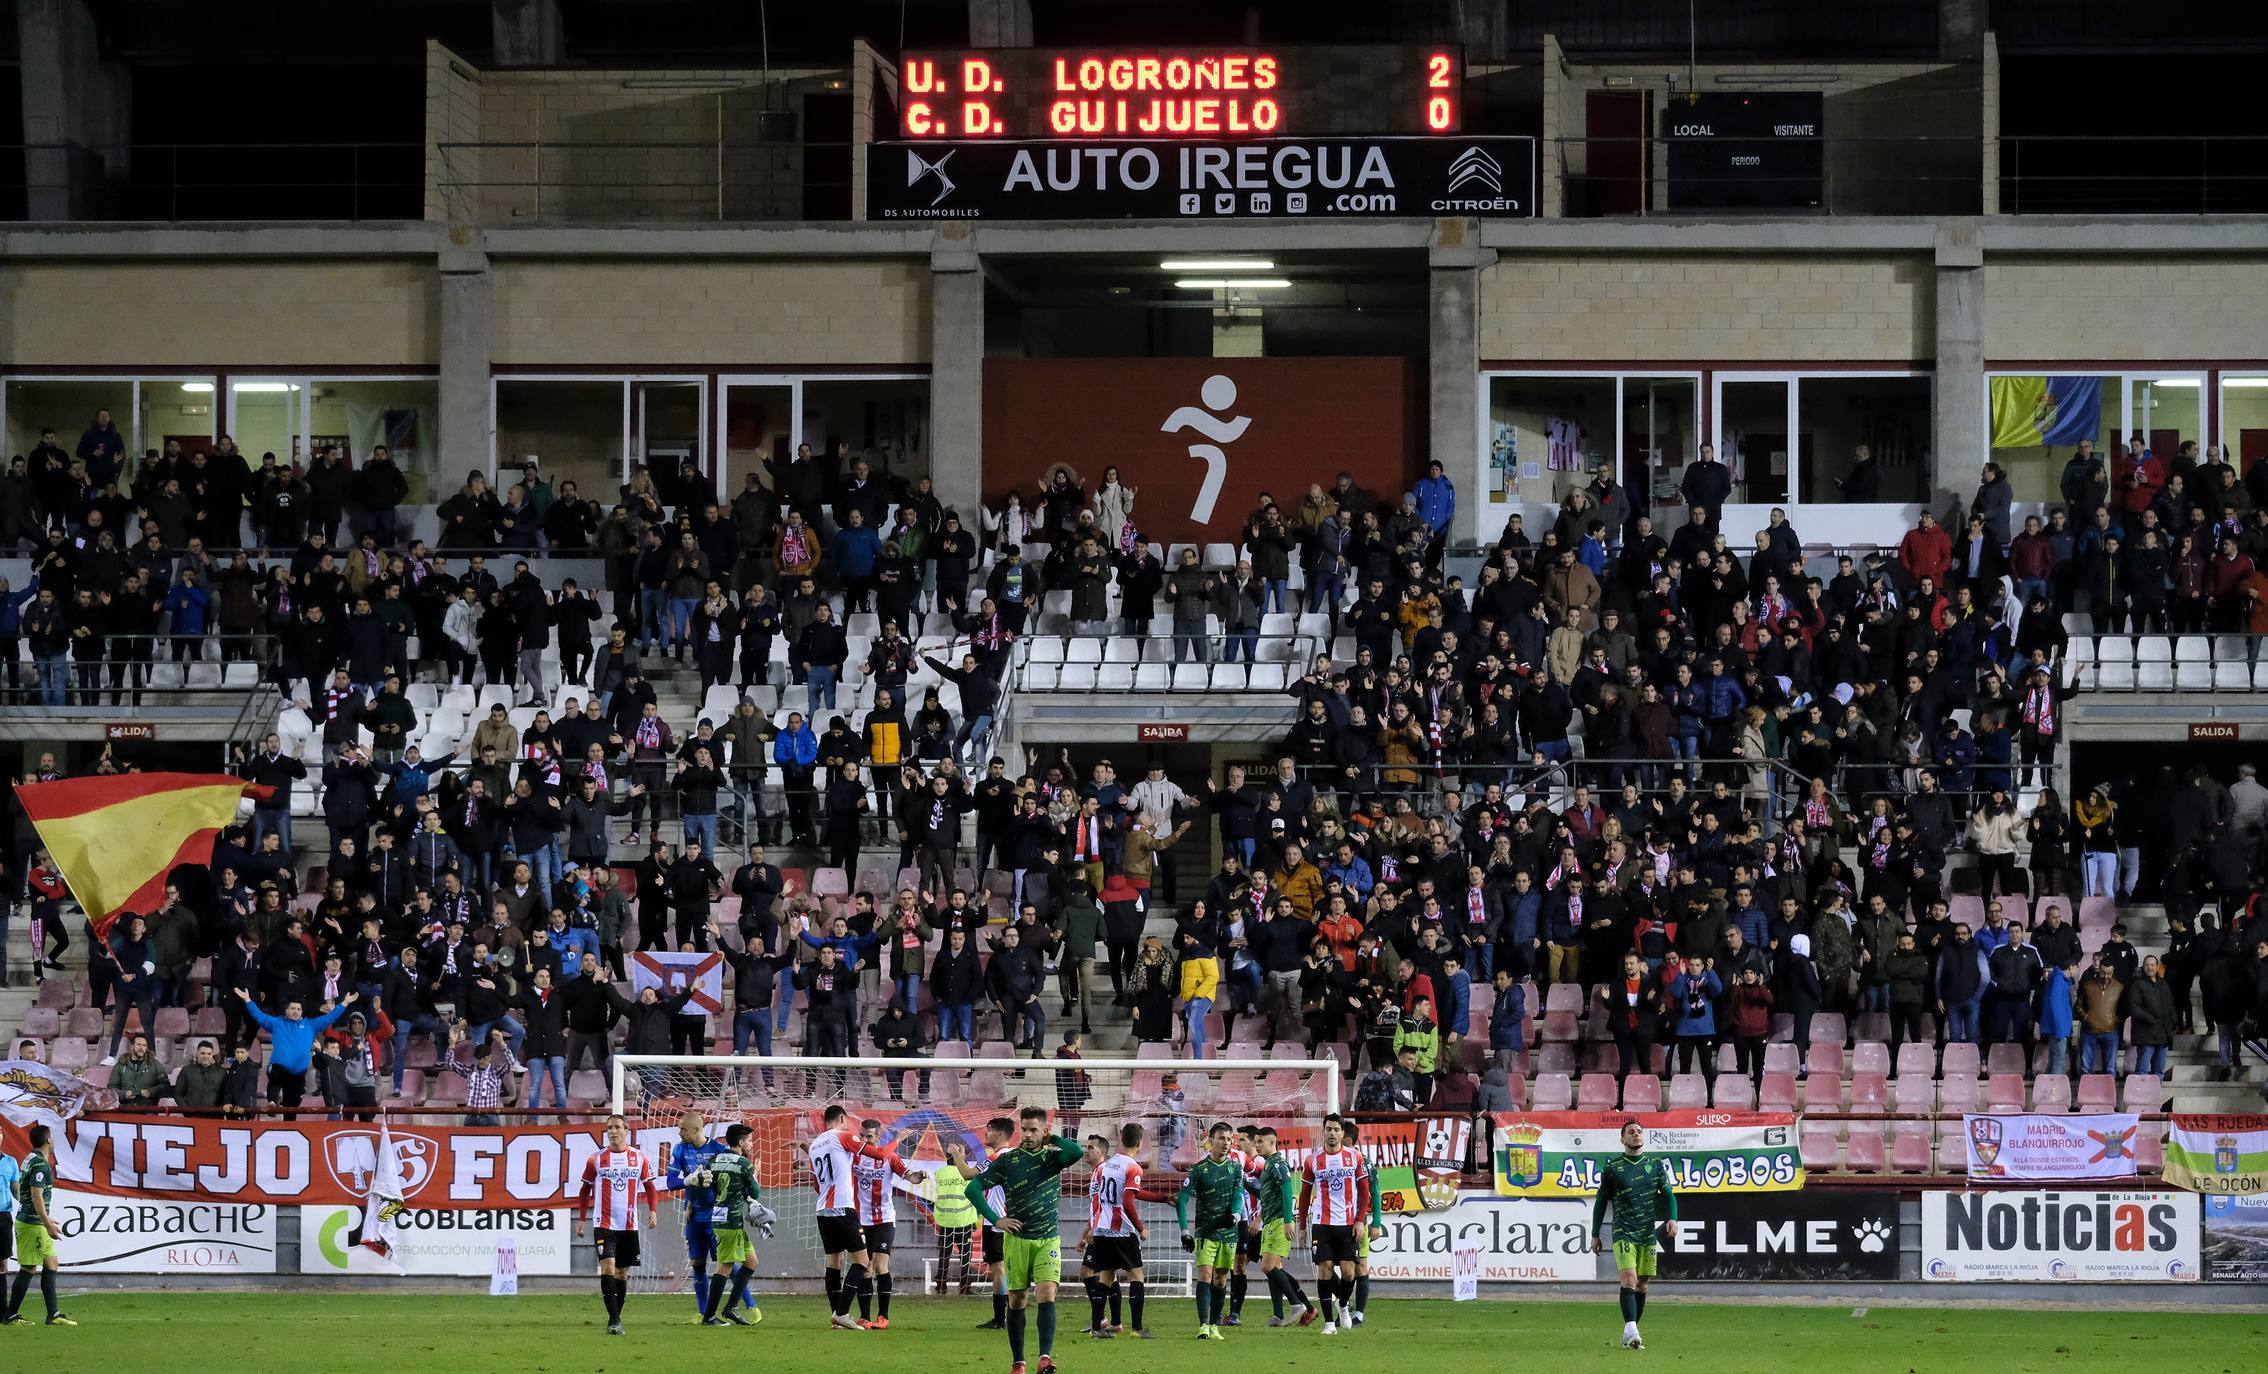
(1440, 76)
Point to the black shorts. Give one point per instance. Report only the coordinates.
(995, 1245)
(879, 1237)
(1121, 1253)
(619, 1248)
(1335, 1244)
(7, 1239)
(840, 1235)
(1248, 1242)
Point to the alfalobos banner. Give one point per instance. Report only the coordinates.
(2020, 1145)
(1560, 1154)
(2219, 1154)
(280, 1163)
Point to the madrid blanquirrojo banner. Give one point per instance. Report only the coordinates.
(1559, 1154)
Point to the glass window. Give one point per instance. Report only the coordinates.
(267, 417)
(1752, 421)
(758, 421)
(1660, 417)
(2244, 420)
(665, 419)
(883, 420)
(174, 410)
(573, 428)
(2167, 412)
(2035, 471)
(1888, 417)
(399, 412)
(68, 408)
(1546, 434)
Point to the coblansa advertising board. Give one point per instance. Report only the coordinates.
(1520, 1240)
(110, 1235)
(456, 1241)
(2046, 1237)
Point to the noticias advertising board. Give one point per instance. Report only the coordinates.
(2046, 1236)
(1350, 177)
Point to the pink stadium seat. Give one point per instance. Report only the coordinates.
(1952, 1148)
(172, 1023)
(1873, 1025)
(2150, 1148)
(1560, 1026)
(1909, 1147)
(1912, 1093)
(1552, 1093)
(208, 1021)
(1864, 1149)
(2098, 1092)
(84, 1022)
(1821, 1092)
(1872, 1056)
(1735, 1093)
(2145, 1092)
(1556, 1058)
(1916, 1059)
(1817, 1142)
(2005, 1058)
(1728, 1058)
(2098, 912)
(1829, 1025)
(44, 1022)
(70, 1052)
(1779, 1057)
(1777, 1093)
(1957, 1095)
(1783, 1027)
(1518, 1088)
(1688, 1092)
(2004, 1092)
(413, 1086)
(1641, 1092)
(2051, 1092)
(1825, 1059)
(1566, 997)
(1870, 1093)
(59, 993)
(1605, 1059)
(1597, 1093)
(447, 1090)
(1960, 1060)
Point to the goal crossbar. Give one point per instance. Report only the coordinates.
(625, 1064)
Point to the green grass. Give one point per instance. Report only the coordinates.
(219, 1333)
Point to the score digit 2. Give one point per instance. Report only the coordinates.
(1441, 87)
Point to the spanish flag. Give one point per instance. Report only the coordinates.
(2028, 412)
(115, 838)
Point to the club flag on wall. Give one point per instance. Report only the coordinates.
(2030, 411)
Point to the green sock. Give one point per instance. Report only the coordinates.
(1204, 1302)
(1361, 1292)
(1276, 1290)
(1629, 1304)
(1638, 1304)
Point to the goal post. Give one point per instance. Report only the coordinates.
(920, 1106)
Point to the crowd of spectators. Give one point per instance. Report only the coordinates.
(1702, 788)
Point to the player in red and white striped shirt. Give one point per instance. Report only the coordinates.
(1334, 1198)
(878, 1185)
(614, 1177)
(1114, 1233)
(834, 1177)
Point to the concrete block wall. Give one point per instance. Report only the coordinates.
(1580, 308)
(452, 122)
(2123, 308)
(706, 312)
(151, 314)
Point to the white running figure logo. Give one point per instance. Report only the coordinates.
(1219, 394)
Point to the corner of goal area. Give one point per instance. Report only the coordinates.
(922, 1106)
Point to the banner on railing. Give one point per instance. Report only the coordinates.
(2218, 1154)
(309, 1162)
(2022, 1237)
(108, 1235)
(2051, 1149)
(1517, 1240)
(454, 1241)
(670, 972)
(1560, 1154)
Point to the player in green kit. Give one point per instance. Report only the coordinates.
(1639, 1190)
(1217, 1183)
(1279, 1206)
(1030, 1178)
(732, 1184)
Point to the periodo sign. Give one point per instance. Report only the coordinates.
(1163, 93)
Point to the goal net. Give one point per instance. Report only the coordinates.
(920, 1108)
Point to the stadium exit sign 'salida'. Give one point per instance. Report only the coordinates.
(2212, 731)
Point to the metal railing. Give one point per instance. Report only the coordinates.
(2186, 174)
(1905, 174)
(722, 178)
(2167, 663)
(167, 669)
(217, 181)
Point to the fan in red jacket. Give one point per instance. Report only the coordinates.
(1926, 551)
(2137, 477)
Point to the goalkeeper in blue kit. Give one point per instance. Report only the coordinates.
(690, 1173)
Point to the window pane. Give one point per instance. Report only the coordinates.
(757, 422)
(666, 422)
(1660, 416)
(68, 408)
(2035, 472)
(884, 422)
(264, 417)
(1754, 427)
(401, 414)
(573, 429)
(2166, 414)
(1888, 416)
(2244, 420)
(173, 410)
(1553, 427)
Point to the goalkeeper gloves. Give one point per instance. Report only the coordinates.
(1189, 1242)
(763, 1219)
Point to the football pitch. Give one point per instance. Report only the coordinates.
(327, 1332)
